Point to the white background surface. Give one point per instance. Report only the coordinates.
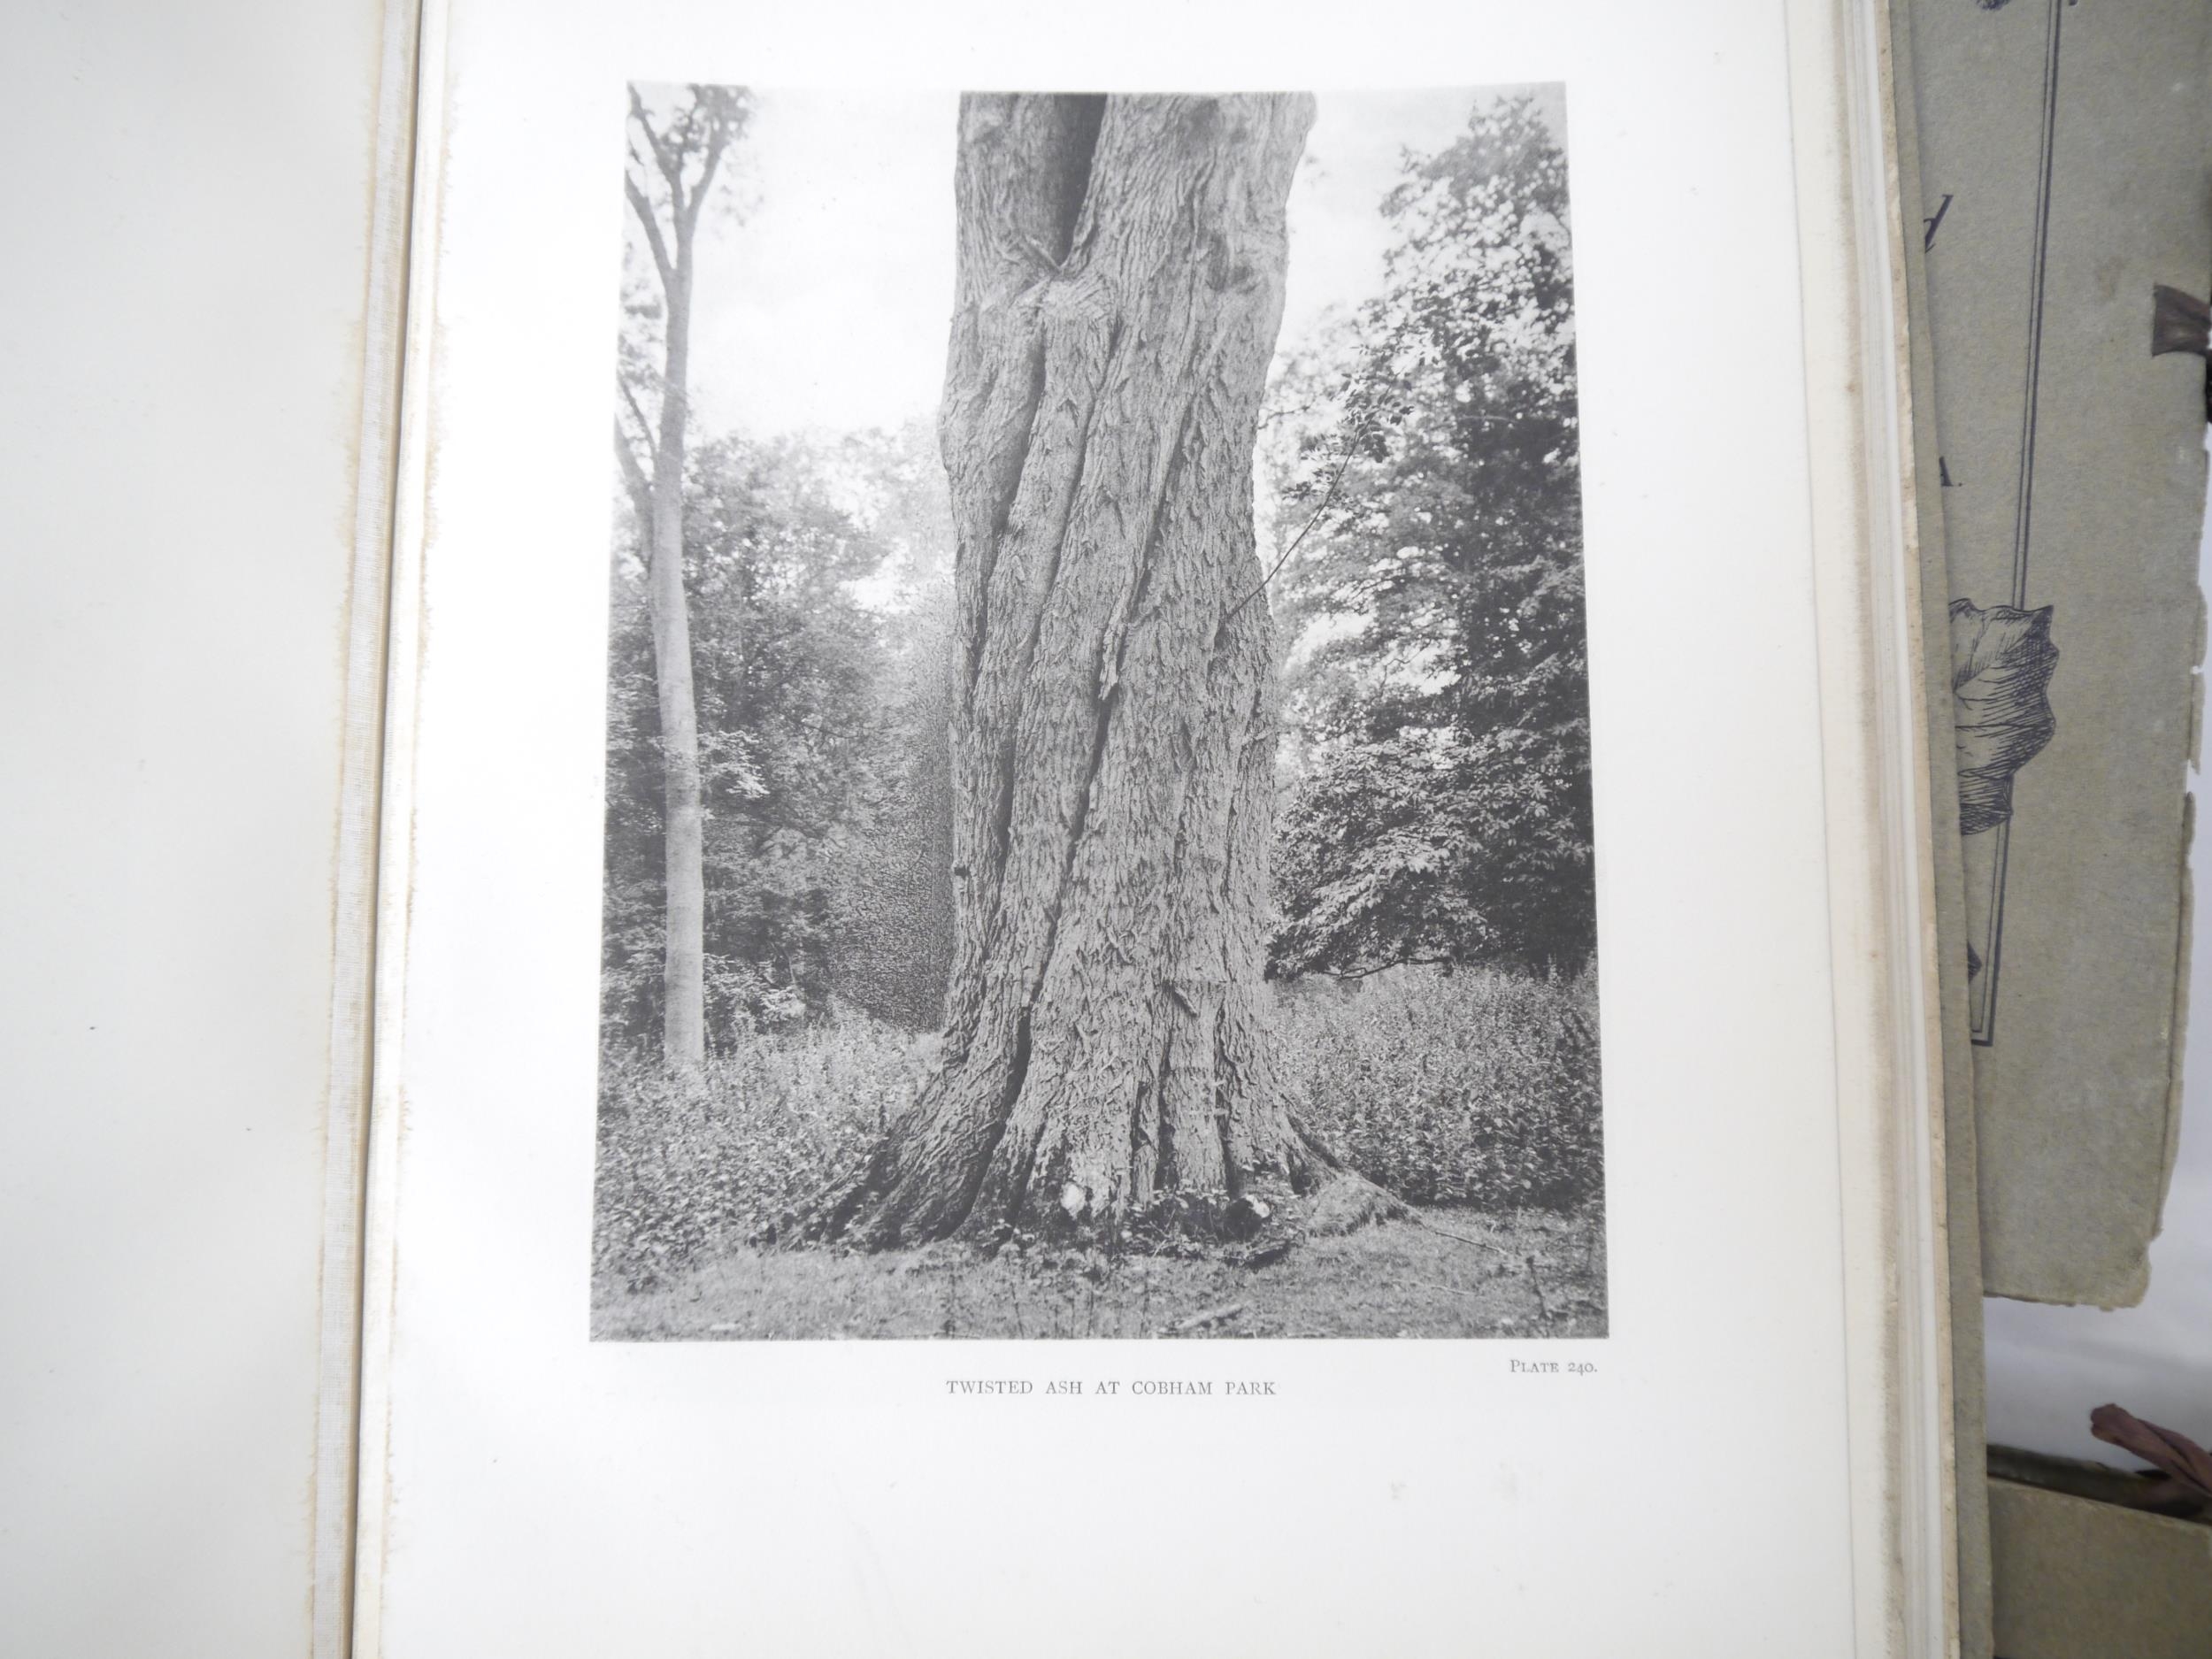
(552, 1497)
(186, 209)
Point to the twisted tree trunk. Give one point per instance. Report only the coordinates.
(1121, 267)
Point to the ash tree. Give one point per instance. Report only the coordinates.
(675, 160)
(1439, 809)
(1120, 284)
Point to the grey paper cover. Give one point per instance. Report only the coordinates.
(2063, 172)
(2079, 1580)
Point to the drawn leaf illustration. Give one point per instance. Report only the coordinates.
(2001, 663)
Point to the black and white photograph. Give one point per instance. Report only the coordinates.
(1485, 717)
(1098, 805)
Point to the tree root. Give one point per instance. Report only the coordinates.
(1318, 1197)
(1348, 1201)
(1421, 1220)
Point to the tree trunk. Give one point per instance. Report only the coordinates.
(1121, 267)
(702, 130)
(683, 1005)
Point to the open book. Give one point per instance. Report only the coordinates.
(1134, 865)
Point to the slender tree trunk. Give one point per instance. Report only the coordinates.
(1121, 267)
(683, 1016)
(702, 130)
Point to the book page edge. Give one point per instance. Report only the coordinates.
(403, 664)
(1904, 1521)
(355, 894)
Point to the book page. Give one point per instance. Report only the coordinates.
(1096, 854)
(200, 358)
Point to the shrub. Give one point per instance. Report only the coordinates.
(688, 1166)
(1477, 1087)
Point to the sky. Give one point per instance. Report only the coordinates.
(825, 303)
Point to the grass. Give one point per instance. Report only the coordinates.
(1476, 1092)
(1474, 1097)
(1532, 1273)
(1474, 1088)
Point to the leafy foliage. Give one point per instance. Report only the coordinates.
(1474, 1087)
(689, 1166)
(812, 718)
(892, 888)
(1439, 804)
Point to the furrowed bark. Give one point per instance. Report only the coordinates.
(1121, 266)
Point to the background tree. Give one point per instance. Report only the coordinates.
(675, 154)
(1120, 284)
(892, 947)
(801, 742)
(1440, 803)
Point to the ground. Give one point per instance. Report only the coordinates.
(1529, 1274)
